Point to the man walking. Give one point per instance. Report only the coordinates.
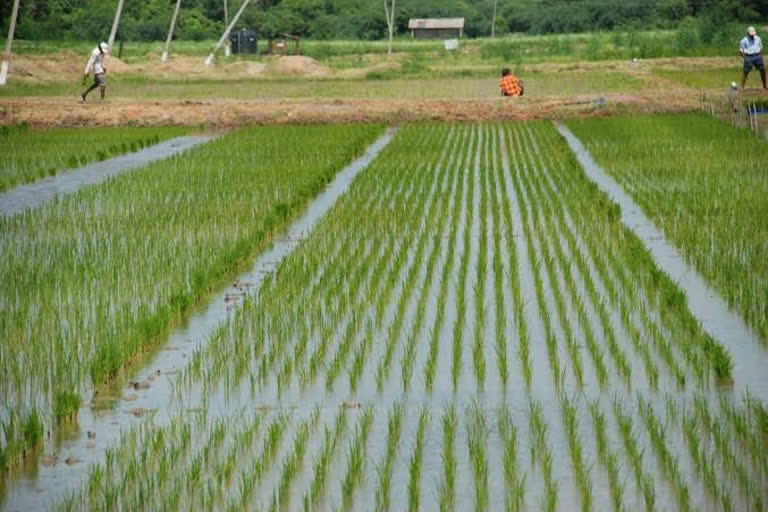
(96, 65)
(751, 49)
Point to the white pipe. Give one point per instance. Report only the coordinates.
(8, 43)
(170, 30)
(209, 59)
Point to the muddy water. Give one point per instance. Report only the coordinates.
(744, 345)
(101, 421)
(45, 190)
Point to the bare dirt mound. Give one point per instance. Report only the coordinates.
(63, 66)
(298, 65)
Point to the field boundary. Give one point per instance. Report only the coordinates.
(704, 302)
(32, 195)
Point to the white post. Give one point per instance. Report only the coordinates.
(493, 20)
(228, 44)
(115, 23)
(8, 43)
(390, 14)
(209, 59)
(170, 30)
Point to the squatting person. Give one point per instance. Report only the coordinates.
(96, 65)
(751, 48)
(509, 84)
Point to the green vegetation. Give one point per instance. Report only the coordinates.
(380, 343)
(705, 184)
(89, 281)
(30, 155)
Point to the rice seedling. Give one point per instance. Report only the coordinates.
(514, 483)
(385, 469)
(356, 457)
(331, 440)
(447, 497)
(577, 455)
(608, 458)
(415, 464)
(541, 454)
(477, 441)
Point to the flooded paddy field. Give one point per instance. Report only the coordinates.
(471, 325)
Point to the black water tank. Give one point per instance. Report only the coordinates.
(244, 41)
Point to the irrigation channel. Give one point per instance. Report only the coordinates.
(101, 421)
(28, 196)
(470, 326)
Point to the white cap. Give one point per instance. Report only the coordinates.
(104, 47)
(734, 85)
(751, 31)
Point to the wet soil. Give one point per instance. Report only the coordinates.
(222, 113)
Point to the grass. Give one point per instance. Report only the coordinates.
(31, 155)
(710, 78)
(706, 190)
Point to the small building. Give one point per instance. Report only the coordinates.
(436, 28)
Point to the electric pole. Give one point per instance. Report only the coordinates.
(493, 20)
(389, 11)
(115, 23)
(170, 30)
(225, 36)
(8, 43)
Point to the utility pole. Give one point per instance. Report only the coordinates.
(8, 43)
(493, 20)
(226, 23)
(170, 30)
(389, 11)
(115, 23)
(209, 59)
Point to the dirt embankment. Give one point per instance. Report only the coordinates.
(46, 112)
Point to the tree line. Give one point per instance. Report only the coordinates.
(364, 19)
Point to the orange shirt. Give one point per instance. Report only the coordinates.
(510, 86)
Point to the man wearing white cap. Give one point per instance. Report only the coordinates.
(751, 49)
(96, 65)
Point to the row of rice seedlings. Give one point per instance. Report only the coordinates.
(461, 303)
(643, 481)
(356, 458)
(415, 464)
(292, 465)
(331, 440)
(478, 336)
(703, 464)
(750, 426)
(542, 455)
(386, 468)
(514, 276)
(583, 480)
(477, 444)
(514, 495)
(31, 155)
(500, 310)
(708, 206)
(607, 457)
(447, 489)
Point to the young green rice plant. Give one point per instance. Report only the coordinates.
(643, 481)
(356, 457)
(385, 469)
(514, 483)
(477, 443)
(331, 440)
(541, 454)
(447, 491)
(583, 480)
(415, 464)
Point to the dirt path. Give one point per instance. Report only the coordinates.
(216, 113)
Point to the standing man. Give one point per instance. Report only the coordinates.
(751, 49)
(96, 65)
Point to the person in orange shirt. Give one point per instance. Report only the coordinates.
(509, 84)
